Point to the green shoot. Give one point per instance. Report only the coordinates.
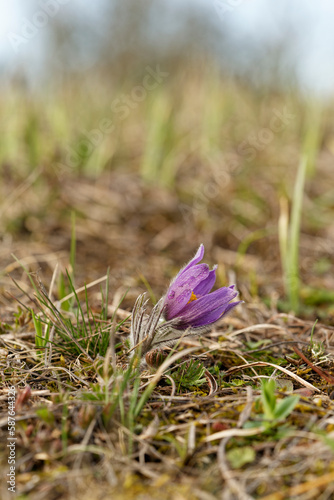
(289, 239)
(63, 292)
(105, 298)
(64, 427)
(149, 288)
(73, 245)
(316, 349)
(40, 339)
(312, 332)
(275, 410)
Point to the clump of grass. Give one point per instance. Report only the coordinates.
(80, 330)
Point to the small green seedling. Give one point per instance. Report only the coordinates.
(41, 339)
(274, 409)
(316, 349)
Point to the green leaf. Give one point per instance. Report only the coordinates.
(46, 415)
(285, 406)
(252, 425)
(240, 456)
(268, 398)
(237, 382)
(259, 343)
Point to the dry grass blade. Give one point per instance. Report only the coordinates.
(120, 312)
(212, 382)
(299, 489)
(234, 433)
(172, 381)
(83, 289)
(84, 442)
(254, 328)
(246, 412)
(234, 487)
(9, 200)
(280, 368)
(49, 344)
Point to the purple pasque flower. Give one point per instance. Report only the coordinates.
(189, 308)
(189, 301)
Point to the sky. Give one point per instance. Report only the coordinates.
(24, 28)
(252, 25)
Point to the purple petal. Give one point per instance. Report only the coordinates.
(198, 257)
(206, 285)
(231, 306)
(209, 317)
(180, 291)
(213, 316)
(204, 305)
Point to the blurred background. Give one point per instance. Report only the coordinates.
(148, 127)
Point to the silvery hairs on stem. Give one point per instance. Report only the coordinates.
(187, 309)
(151, 331)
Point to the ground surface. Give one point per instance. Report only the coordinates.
(215, 165)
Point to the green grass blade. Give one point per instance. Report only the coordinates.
(293, 256)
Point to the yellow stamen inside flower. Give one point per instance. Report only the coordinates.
(193, 297)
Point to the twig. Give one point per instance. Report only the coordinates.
(324, 374)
